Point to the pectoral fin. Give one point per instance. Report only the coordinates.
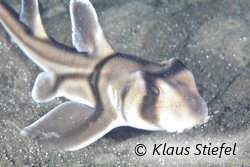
(30, 16)
(87, 33)
(70, 126)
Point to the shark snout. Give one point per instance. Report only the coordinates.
(198, 110)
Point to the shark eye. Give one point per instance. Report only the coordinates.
(154, 90)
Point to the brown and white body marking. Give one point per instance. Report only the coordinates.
(105, 89)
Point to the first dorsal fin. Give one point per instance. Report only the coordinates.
(87, 33)
(30, 16)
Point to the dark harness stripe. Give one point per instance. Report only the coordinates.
(61, 78)
(94, 77)
(148, 109)
(148, 106)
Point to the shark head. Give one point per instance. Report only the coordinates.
(168, 98)
(174, 97)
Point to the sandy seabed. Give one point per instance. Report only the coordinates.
(211, 37)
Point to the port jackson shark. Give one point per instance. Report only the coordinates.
(105, 89)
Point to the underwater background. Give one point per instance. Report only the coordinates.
(212, 37)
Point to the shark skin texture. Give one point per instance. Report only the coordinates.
(105, 89)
